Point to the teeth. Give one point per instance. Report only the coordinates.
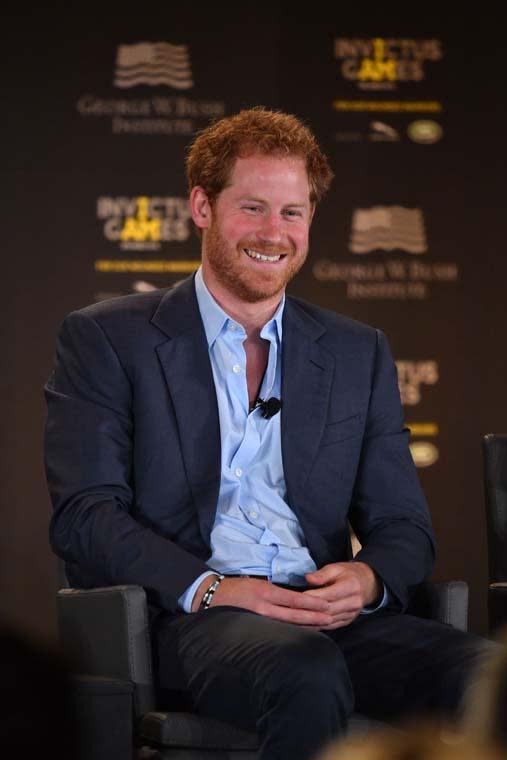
(261, 256)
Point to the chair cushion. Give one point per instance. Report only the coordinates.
(187, 730)
(178, 729)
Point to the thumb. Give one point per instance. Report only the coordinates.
(325, 575)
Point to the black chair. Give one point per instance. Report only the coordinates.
(495, 491)
(105, 631)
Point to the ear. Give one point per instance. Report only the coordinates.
(200, 208)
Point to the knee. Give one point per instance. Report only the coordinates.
(310, 661)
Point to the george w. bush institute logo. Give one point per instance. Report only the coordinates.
(153, 64)
(388, 228)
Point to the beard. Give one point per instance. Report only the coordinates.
(231, 267)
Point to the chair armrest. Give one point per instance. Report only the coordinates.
(445, 601)
(103, 710)
(497, 605)
(106, 633)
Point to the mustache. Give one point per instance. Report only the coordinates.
(268, 250)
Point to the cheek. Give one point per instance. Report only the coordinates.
(238, 230)
(300, 237)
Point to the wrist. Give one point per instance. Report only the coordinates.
(201, 590)
(205, 591)
(372, 585)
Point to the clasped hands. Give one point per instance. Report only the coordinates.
(338, 593)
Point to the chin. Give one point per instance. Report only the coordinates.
(256, 295)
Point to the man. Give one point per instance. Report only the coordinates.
(211, 443)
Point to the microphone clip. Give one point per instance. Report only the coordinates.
(269, 407)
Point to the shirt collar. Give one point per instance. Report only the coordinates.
(214, 318)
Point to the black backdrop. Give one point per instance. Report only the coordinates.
(410, 239)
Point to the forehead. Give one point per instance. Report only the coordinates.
(269, 174)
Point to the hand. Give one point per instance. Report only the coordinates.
(267, 599)
(347, 587)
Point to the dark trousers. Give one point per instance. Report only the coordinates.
(297, 687)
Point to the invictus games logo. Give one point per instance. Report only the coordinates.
(388, 228)
(413, 374)
(144, 223)
(153, 64)
(382, 63)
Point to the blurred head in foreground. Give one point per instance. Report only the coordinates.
(480, 735)
(420, 743)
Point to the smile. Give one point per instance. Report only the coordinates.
(262, 256)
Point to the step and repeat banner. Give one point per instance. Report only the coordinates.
(100, 115)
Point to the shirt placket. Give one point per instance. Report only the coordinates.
(253, 437)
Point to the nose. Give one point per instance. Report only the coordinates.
(270, 231)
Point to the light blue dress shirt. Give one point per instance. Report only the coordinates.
(255, 531)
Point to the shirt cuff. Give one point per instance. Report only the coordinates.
(187, 597)
(383, 603)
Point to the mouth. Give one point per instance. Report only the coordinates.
(257, 256)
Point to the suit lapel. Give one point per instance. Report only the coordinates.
(187, 369)
(307, 374)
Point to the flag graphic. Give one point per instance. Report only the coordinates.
(154, 64)
(388, 228)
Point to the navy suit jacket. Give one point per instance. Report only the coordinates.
(133, 446)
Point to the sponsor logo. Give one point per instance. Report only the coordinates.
(413, 374)
(387, 276)
(425, 131)
(144, 223)
(382, 132)
(424, 453)
(157, 65)
(153, 64)
(137, 286)
(387, 228)
(381, 63)
(387, 106)
(348, 136)
(142, 286)
(393, 279)
(153, 266)
(426, 429)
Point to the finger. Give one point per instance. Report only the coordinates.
(295, 599)
(297, 616)
(339, 622)
(326, 574)
(348, 608)
(341, 588)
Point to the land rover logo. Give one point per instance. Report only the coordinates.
(424, 131)
(423, 453)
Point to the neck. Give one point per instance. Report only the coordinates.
(252, 316)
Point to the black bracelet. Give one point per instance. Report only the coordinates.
(208, 594)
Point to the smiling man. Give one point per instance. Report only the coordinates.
(212, 442)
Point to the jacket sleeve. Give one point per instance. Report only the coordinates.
(388, 512)
(88, 456)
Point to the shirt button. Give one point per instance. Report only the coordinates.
(254, 515)
(236, 369)
(252, 421)
(238, 472)
(232, 326)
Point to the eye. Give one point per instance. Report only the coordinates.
(291, 212)
(254, 209)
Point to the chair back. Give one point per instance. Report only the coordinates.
(106, 632)
(495, 491)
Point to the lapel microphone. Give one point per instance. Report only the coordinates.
(268, 408)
